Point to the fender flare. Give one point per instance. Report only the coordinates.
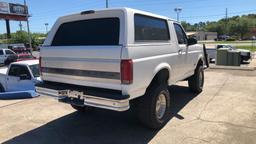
(160, 67)
(200, 58)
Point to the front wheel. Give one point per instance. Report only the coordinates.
(196, 82)
(154, 107)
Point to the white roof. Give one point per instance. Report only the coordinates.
(125, 9)
(27, 62)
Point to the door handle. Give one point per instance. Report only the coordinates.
(180, 51)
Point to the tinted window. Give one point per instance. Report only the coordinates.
(1, 52)
(35, 70)
(8, 52)
(17, 71)
(150, 29)
(181, 35)
(88, 32)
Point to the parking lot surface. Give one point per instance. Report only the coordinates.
(225, 112)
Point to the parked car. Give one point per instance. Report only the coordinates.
(20, 76)
(7, 56)
(25, 56)
(212, 52)
(20, 48)
(110, 58)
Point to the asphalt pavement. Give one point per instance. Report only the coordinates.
(225, 112)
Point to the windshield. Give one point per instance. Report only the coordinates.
(35, 70)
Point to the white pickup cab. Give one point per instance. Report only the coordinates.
(19, 76)
(112, 57)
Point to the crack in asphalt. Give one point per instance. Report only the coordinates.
(220, 122)
(227, 123)
(218, 92)
(12, 104)
(203, 140)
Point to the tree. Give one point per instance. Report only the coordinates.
(22, 37)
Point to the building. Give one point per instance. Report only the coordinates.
(201, 35)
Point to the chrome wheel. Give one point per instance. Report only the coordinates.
(160, 106)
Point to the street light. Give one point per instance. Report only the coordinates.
(20, 25)
(178, 11)
(46, 27)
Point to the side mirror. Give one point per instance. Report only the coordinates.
(192, 41)
(24, 77)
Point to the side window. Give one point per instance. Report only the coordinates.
(8, 52)
(1, 52)
(181, 35)
(17, 71)
(150, 29)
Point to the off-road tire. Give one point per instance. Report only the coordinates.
(1, 89)
(196, 83)
(146, 106)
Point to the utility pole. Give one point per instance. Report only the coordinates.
(226, 21)
(178, 11)
(29, 34)
(226, 14)
(106, 3)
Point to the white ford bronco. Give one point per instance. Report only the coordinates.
(112, 57)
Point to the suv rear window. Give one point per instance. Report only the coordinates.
(104, 31)
(150, 29)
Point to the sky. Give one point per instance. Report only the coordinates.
(193, 11)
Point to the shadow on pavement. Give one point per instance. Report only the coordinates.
(101, 126)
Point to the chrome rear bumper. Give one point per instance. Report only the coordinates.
(79, 97)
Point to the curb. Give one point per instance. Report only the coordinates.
(233, 68)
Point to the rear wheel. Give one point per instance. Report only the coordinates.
(7, 62)
(82, 108)
(196, 82)
(153, 108)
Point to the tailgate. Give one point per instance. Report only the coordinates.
(96, 66)
(85, 50)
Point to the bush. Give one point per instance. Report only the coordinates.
(231, 39)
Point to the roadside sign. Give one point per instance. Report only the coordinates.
(18, 9)
(13, 9)
(4, 8)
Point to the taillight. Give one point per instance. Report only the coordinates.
(126, 71)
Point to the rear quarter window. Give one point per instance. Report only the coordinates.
(150, 28)
(103, 31)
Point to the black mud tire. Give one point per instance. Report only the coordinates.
(196, 82)
(82, 109)
(1, 89)
(7, 62)
(146, 107)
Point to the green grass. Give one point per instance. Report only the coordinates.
(251, 48)
(224, 42)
